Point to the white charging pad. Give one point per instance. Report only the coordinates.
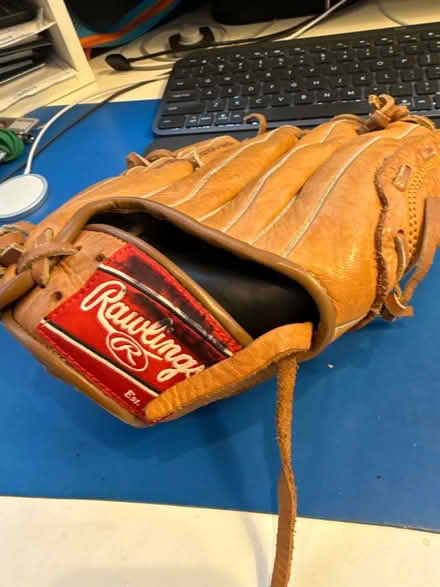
(21, 195)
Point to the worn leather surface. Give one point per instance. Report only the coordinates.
(327, 211)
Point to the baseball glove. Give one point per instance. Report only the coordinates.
(200, 272)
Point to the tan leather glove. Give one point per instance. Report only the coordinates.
(198, 273)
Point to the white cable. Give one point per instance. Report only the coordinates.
(387, 14)
(317, 20)
(60, 113)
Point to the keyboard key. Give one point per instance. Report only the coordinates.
(304, 112)
(238, 103)
(340, 45)
(367, 53)
(267, 76)
(383, 77)
(378, 89)
(405, 101)
(362, 79)
(316, 83)
(380, 65)
(222, 118)
(208, 93)
(172, 122)
(239, 66)
(182, 95)
(385, 40)
(318, 48)
(193, 121)
(205, 119)
(408, 38)
(237, 117)
(415, 48)
(404, 62)
(344, 56)
(206, 81)
(429, 59)
(423, 103)
(321, 58)
(428, 35)
(359, 43)
(278, 62)
(410, 75)
(277, 53)
(351, 94)
(260, 65)
(258, 103)
(230, 91)
(246, 78)
(294, 86)
(310, 71)
(332, 69)
(427, 87)
(301, 60)
(216, 105)
(327, 96)
(435, 46)
(182, 84)
(250, 90)
(271, 88)
(304, 98)
(222, 69)
(257, 54)
(356, 67)
(339, 81)
(401, 90)
(433, 72)
(437, 101)
(225, 80)
(390, 51)
(204, 71)
(280, 100)
(183, 108)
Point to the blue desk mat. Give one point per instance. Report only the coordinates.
(367, 411)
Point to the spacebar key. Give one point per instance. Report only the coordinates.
(303, 112)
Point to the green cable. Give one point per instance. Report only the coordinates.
(11, 146)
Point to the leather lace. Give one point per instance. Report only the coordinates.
(287, 369)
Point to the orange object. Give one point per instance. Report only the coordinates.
(99, 39)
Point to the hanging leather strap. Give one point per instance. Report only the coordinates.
(286, 485)
(274, 352)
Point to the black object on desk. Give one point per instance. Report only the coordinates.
(302, 81)
(18, 60)
(13, 12)
(247, 11)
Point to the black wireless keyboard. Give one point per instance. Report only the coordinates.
(302, 81)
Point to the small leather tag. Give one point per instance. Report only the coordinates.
(134, 331)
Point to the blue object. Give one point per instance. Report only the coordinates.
(83, 30)
(367, 411)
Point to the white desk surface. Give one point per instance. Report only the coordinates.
(363, 16)
(70, 543)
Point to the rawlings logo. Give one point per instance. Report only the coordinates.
(122, 324)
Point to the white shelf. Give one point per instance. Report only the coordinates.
(68, 49)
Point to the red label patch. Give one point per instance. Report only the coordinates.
(134, 331)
